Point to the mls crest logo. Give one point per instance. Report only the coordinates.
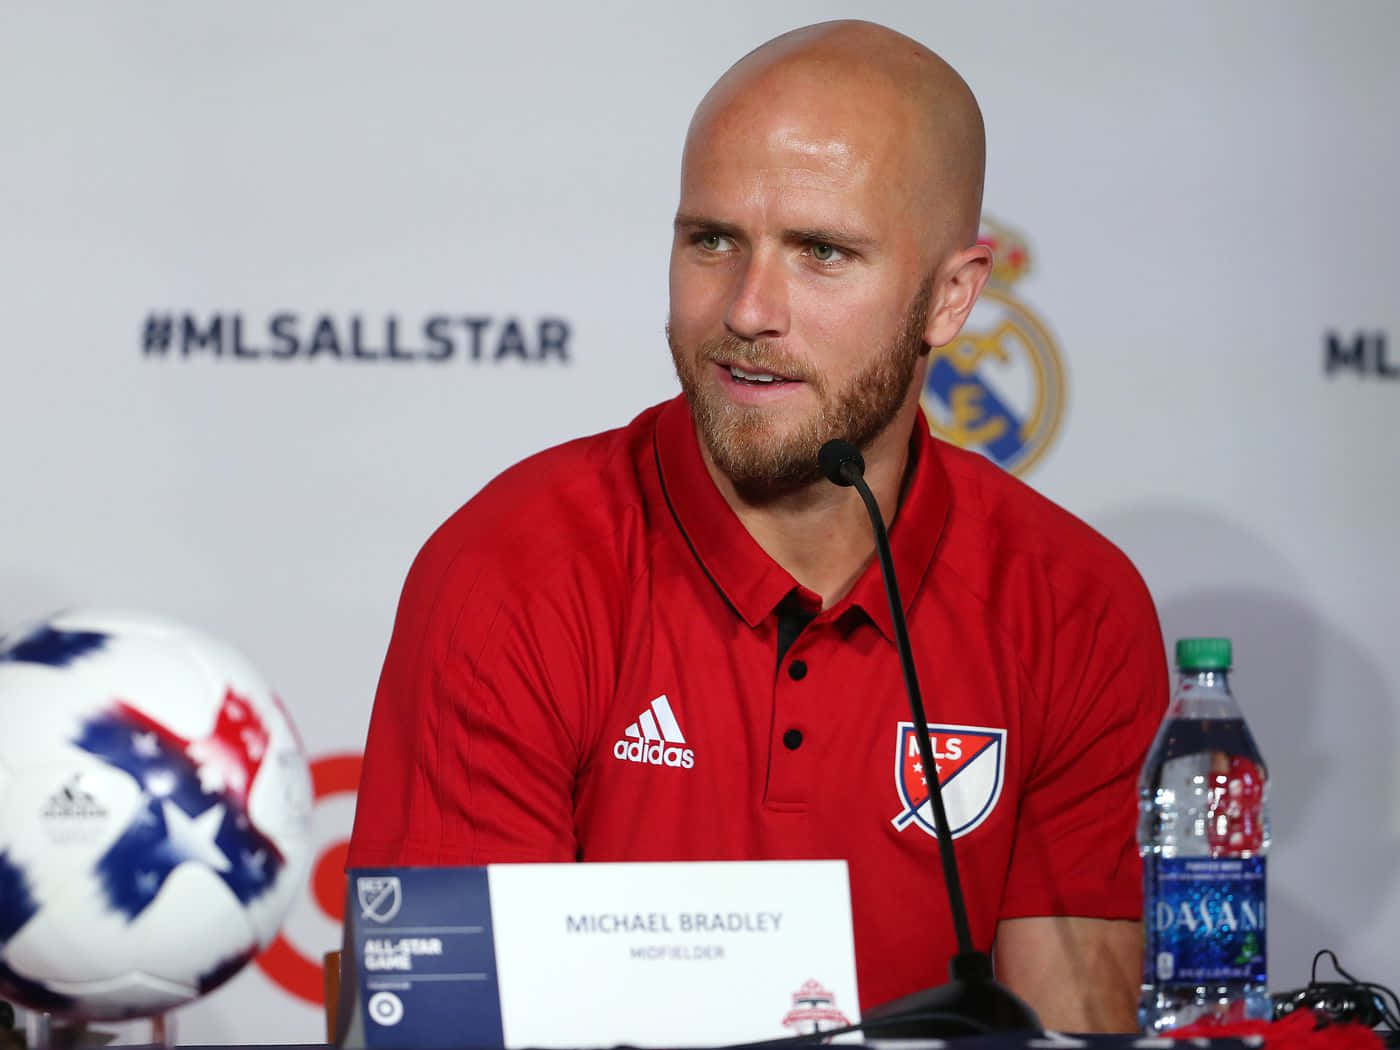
(380, 896)
(999, 387)
(971, 764)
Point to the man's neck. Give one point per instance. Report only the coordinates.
(821, 533)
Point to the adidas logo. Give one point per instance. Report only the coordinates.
(655, 739)
(71, 802)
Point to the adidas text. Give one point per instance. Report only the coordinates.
(657, 754)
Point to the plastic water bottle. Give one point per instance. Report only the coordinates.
(1203, 834)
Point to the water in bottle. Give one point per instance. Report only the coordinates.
(1203, 834)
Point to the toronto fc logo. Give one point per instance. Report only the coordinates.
(814, 1010)
(971, 763)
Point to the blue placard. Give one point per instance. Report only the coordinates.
(480, 957)
(425, 957)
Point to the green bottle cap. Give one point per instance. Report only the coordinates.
(1203, 654)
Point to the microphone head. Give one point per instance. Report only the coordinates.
(841, 462)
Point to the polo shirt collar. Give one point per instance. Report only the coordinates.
(914, 534)
(751, 581)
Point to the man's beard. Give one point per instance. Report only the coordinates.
(764, 465)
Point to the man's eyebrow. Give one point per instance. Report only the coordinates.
(686, 221)
(830, 235)
(807, 235)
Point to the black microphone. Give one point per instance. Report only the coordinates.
(972, 1000)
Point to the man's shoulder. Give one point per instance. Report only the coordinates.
(578, 504)
(1004, 536)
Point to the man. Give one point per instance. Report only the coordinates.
(671, 641)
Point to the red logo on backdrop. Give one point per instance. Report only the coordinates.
(282, 961)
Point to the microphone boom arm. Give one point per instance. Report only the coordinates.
(852, 475)
(972, 1001)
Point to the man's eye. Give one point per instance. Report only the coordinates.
(825, 252)
(713, 242)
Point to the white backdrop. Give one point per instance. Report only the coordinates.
(1206, 191)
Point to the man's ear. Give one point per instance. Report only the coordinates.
(960, 281)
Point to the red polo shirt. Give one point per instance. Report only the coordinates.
(585, 665)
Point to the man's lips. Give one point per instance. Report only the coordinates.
(750, 385)
(742, 372)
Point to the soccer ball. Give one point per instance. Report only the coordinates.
(155, 815)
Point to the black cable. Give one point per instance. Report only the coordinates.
(1384, 1001)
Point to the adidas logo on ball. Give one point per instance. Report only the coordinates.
(71, 802)
(655, 739)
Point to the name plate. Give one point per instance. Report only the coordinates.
(576, 955)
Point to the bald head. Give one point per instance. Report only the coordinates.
(875, 95)
(824, 243)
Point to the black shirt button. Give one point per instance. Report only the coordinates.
(792, 739)
(797, 670)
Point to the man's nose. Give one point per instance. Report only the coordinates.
(759, 309)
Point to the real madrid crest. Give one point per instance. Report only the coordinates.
(999, 387)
